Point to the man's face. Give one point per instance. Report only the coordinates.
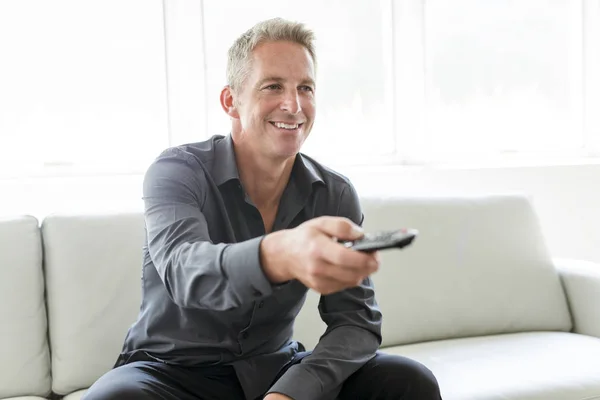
(276, 103)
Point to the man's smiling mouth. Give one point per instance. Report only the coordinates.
(288, 126)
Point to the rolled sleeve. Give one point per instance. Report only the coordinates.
(299, 383)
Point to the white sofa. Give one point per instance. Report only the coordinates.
(476, 298)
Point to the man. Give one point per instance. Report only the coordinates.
(238, 228)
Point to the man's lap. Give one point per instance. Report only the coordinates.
(156, 380)
(384, 376)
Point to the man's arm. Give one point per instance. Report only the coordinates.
(195, 272)
(352, 337)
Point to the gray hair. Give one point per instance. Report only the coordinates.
(275, 29)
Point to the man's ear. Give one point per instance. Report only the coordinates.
(228, 103)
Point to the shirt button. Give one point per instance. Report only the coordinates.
(257, 293)
(261, 304)
(245, 335)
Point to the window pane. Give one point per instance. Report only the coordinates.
(353, 79)
(503, 75)
(81, 82)
(591, 14)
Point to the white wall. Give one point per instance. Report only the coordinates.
(566, 198)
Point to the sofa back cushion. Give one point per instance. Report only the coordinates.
(25, 366)
(479, 266)
(93, 272)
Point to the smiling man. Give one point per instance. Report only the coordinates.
(239, 227)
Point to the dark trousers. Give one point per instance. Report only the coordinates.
(386, 376)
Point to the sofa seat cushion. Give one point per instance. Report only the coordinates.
(75, 395)
(521, 366)
(24, 398)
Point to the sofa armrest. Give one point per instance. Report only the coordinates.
(581, 282)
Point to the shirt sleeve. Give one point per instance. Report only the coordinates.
(196, 272)
(352, 337)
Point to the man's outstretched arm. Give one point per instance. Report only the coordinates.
(196, 272)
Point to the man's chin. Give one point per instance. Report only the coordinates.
(287, 150)
(288, 153)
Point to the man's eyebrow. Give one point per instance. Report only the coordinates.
(277, 79)
(308, 81)
(269, 79)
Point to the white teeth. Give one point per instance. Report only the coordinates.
(285, 126)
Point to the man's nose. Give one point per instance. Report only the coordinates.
(291, 102)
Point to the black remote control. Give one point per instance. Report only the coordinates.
(395, 239)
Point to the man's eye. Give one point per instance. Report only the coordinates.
(272, 87)
(306, 88)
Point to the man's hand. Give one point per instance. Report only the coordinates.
(277, 396)
(310, 254)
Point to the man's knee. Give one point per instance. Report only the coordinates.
(115, 392)
(425, 383)
(409, 379)
(121, 383)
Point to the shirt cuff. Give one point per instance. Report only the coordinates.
(299, 384)
(241, 264)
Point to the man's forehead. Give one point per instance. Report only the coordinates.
(268, 53)
(270, 64)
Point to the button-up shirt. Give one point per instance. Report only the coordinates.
(205, 298)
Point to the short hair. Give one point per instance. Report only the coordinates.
(276, 29)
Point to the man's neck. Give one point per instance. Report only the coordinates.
(264, 179)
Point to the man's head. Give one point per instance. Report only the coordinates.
(271, 87)
(239, 59)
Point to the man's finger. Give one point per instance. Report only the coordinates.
(339, 227)
(339, 256)
(328, 285)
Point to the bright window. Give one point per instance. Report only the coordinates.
(503, 76)
(82, 85)
(102, 86)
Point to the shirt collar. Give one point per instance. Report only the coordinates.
(305, 171)
(225, 166)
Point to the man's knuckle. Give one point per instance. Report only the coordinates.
(315, 269)
(335, 257)
(313, 249)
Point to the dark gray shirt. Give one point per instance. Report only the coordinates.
(205, 298)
